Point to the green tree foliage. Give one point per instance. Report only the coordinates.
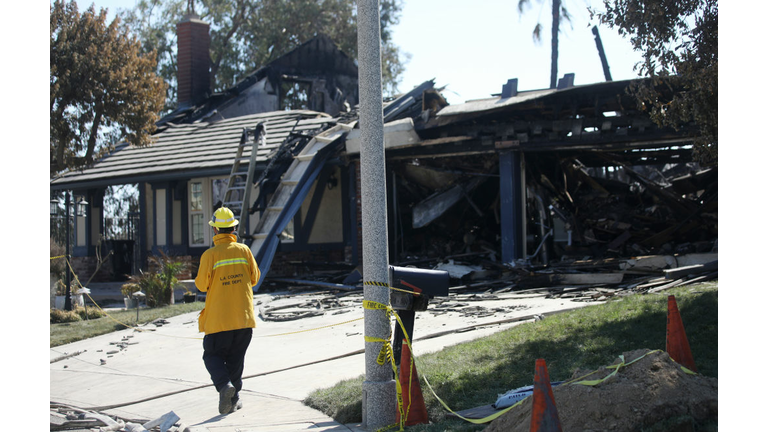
(678, 40)
(248, 34)
(102, 87)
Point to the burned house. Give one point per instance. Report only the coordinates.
(535, 177)
(543, 175)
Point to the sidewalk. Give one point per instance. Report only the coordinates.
(145, 374)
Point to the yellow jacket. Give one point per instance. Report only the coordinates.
(227, 273)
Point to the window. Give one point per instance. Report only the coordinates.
(294, 95)
(196, 198)
(196, 214)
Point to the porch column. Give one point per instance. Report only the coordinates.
(512, 197)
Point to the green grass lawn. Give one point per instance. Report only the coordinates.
(473, 374)
(117, 320)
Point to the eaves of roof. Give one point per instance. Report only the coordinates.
(189, 150)
(525, 97)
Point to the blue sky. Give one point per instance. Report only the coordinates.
(474, 47)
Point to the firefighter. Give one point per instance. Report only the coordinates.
(227, 273)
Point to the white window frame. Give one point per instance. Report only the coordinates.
(207, 210)
(204, 212)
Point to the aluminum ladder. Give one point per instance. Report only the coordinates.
(238, 193)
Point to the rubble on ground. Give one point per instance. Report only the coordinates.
(71, 418)
(585, 280)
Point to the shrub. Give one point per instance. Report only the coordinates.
(150, 284)
(89, 313)
(157, 285)
(62, 316)
(78, 313)
(167, 271)
(59, 265)
(129, 288)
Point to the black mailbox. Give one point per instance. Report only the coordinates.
(422, 285)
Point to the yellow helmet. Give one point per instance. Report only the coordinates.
(223, 218)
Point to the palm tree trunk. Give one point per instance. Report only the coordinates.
(555, 31)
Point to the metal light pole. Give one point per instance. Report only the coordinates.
(68, 295)
(379, 391)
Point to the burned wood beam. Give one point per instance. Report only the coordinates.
(684, 226)
(678, 204)
(618, 241)
(437, 204)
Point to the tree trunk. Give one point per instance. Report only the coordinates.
(555, 31)
(237, 21)
(94, 133)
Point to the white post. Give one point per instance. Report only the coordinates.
(379, 391)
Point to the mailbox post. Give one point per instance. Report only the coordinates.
(424, 284)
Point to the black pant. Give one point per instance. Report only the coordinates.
(224, 356)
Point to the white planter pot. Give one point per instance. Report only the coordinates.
(59, 302)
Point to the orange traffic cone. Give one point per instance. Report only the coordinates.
(544, 413)
(677, 342)
(413, 401)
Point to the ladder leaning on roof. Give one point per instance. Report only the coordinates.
(239, 186)
(289, 195)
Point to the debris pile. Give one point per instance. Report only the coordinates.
(586, 205)
(653, 393)
(66, 417)
(593, 219)
(297, 306)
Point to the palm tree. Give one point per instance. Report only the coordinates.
(558, 10)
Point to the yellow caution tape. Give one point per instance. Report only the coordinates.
(60, 256)
(370, 304)
(686, 370)
(386, 354)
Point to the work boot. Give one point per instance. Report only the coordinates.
(236, 403)
(225, 398)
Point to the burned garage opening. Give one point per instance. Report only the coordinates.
(444, 206)
(542, 178)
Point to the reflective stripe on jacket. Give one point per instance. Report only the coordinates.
(227, 273)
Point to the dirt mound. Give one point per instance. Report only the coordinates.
(652, 394)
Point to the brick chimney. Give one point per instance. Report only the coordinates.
(193, 60)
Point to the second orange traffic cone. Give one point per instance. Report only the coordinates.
(413, 399)
(677, 342)
(544, 416)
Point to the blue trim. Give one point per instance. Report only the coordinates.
(512, 212)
